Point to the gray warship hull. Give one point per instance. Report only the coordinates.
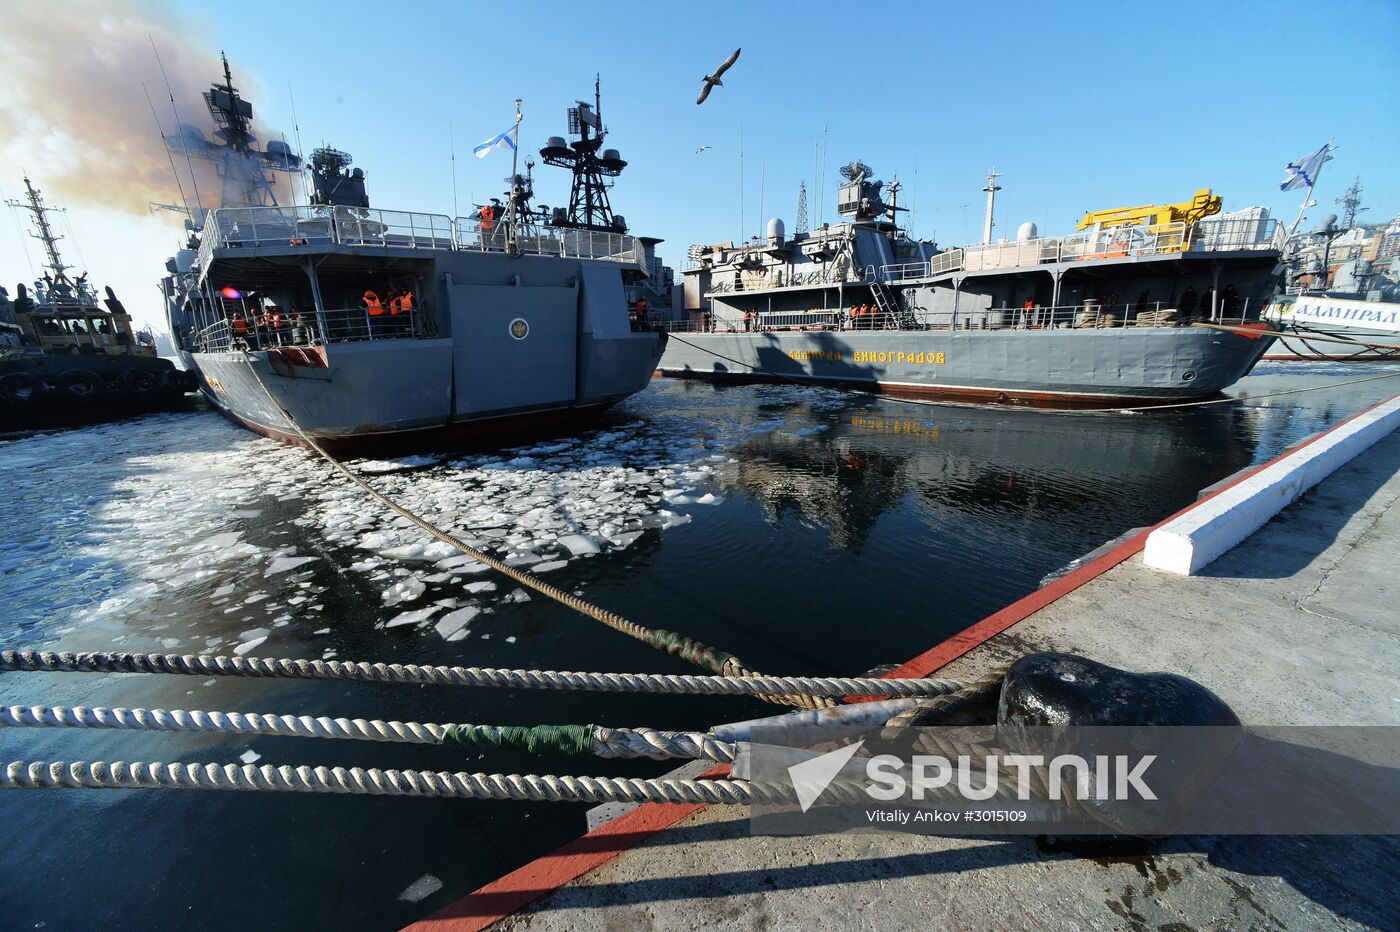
(496, 339)
(1149, 365)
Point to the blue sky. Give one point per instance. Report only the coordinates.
(1080, 106)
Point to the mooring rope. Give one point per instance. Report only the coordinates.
(557, 740)
(702, 655)
(372, 781)
(1301, 333)
(1036, 408)
(359, 671)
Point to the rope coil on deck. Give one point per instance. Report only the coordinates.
(670, 683)
(702, 655)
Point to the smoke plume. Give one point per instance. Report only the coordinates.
(72, 110)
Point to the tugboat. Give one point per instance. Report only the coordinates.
(67, 357)
(365, 327)
(1099, 316)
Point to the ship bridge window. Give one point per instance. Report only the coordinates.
(50, 326)
(76, 326)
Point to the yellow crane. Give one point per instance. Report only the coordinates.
(1155, 215)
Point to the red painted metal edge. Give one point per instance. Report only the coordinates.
(959, 644)
(519, 888)
(543, 876)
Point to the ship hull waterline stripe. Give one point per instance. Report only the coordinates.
(541, 877)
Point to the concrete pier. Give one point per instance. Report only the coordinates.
(1299, 625)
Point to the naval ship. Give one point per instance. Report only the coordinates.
(371, 327)
(1099, 316)
(68, 356)
(1340, 310)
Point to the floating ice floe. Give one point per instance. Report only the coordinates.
(421, 889)
(413, 617)
(453, 625)
(284, 564)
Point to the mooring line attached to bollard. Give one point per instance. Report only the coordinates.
(661, 683)
(556, 740)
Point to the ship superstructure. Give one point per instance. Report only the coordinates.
(372, 326)
(65, 352)
(1098, 315)
(1343, 292)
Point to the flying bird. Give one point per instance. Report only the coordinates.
(701, 149)
(713, 81)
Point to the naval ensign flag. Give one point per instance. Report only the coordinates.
(1303, 172)
(508, 139)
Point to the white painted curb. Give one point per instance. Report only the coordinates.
(1192, 541)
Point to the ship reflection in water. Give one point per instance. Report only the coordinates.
(805, 530)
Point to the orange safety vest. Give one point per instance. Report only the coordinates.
(396, 305)
(240, 326)
(1029, 305)
(407, 302)
(372, 302)
(488, 218)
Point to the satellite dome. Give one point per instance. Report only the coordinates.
(1025, 231)
(611, 154)
(777, 232)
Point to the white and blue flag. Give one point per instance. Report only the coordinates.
(505, 140)
(1303, 172)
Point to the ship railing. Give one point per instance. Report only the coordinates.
(1089, 315)
(342, 325)
(563, 242)
(904, 271)
(254, 227)
(251, 227)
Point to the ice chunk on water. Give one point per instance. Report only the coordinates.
(579, 544)
(708, 498)
(414, 617)
(421, 889)
(250, 756)
(549, 567)
(283, 564)
(246, 646)
(456, 622)
(405, 590)
(481, 587)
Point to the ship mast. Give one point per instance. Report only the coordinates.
(992, 188)
(589, 208)
(34, 203)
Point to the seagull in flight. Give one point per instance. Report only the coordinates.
(713, 81)
(701, 149)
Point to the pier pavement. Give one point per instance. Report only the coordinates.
(1299, 625)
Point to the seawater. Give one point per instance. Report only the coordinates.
(805, 530)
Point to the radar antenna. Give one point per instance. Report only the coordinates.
(1350, 202)
(589, 208)
(247, 174)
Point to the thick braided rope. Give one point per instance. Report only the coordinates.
(371, 781)
(702, 655)
(563, 740)
(929, 711)
(685, 684)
